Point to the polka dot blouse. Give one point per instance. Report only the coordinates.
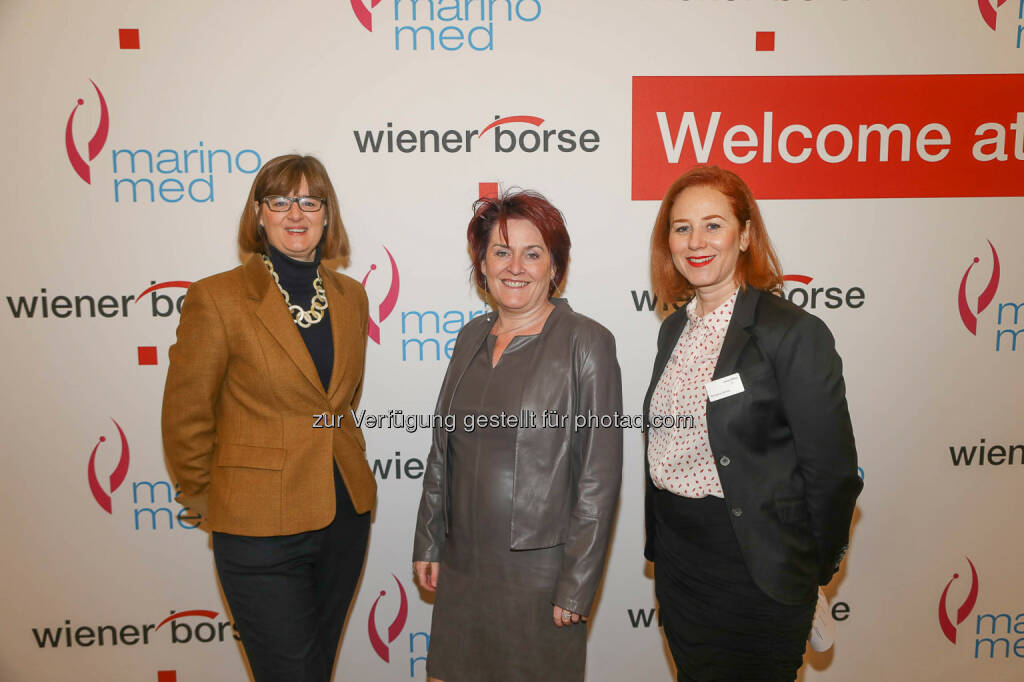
(680, 457)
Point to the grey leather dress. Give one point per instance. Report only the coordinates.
(520, 517)
(487, 590)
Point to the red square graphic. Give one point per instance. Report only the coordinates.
(166, 676)
(147, 355)
(764, 41)
(129, 38)
(488, 190)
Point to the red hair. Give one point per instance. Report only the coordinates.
(489, 212)
(758, 266)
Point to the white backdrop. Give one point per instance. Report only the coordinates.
(88, 590)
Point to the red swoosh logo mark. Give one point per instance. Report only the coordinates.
(532, 120)
(97, 141)
(116, 478)
(988, 12)
(993, 282)
(195, 612)
(396, 626)
(163, 285)
(389, 302)
(948, 628)
(803, 279)
(969, 318)
(363, 14)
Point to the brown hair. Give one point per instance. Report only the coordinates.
(282, 175)
(532, 206)
(758, 266)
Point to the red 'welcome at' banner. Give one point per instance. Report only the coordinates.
(827, 137)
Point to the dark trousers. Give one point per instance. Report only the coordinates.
(289, 594)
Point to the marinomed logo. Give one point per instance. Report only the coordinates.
(364, 16)
(990, 15)
(1009, 314)
(167, 174)
(964, 610)
(503, 135)
(988, 11)
(446, 25)
(970, 317)
(998, 635)
(387, 305)
(429, 335)
(101, 493)
(96, 142)
(380, 647)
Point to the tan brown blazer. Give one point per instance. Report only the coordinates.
(241, 401)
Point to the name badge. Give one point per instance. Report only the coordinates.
(724, 387)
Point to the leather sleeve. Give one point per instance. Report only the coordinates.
(198, 364)
(597, 463)
(809, 373)
(431, 524)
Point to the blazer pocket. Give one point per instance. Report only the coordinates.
(791, 510)
(250, 457)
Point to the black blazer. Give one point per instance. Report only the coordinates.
(784, 447)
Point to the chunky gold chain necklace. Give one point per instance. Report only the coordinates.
(303, 318)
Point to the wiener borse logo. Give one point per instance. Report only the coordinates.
(197, 626)
(504, 135)
(801, 290)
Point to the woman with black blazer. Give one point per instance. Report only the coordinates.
(750, 457)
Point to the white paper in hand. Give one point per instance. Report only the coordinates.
(823, 628)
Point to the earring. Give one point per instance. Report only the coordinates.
(486, 291)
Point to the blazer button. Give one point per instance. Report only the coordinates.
(724, 461)
(737, 512)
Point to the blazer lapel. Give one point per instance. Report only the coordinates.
(345, 331)
(273, 313)
(736, 336)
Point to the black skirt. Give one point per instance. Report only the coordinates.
(719, 624)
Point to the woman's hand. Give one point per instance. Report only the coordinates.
(565, 617)
(426, 574)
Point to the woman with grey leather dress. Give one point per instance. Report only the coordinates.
(519, 499)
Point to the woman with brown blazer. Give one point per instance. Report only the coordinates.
(260, 350)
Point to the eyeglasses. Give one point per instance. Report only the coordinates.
(280, 204)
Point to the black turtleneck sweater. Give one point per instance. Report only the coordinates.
(296, 278)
